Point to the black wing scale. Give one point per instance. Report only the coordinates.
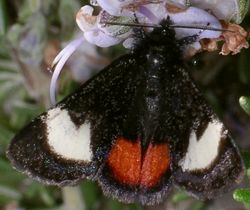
(29, 151)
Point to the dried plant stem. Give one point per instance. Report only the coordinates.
(73, 198)
(35, 79)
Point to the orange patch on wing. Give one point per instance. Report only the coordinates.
(129, 167)
(125, 161)
(155, 163)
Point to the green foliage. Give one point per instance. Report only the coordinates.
(67, 10)
(197, 206)
(242, 195)
(180, 196)
(243, 66)
(3, 18)
(246, 158)
(245, 104)
(21, 57)
(27, 27)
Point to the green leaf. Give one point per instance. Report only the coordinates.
(67, 12)
(135, 207)
(243, 9)
(197, 206)
(38, 196)
(10, 193)
(114, 205)
(90, 193)
(4, 166)
(180, 196)
(242, 195)
(23, 114)
(243, 66)
(46, 196)
(27, 9)
(9, 177)
(245, 104)
(246, 157)
(34, 5)
(30, 39)
(3, 18)
(5, 136)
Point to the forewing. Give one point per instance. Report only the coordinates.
(70, 141)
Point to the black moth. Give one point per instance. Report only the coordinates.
(137, 128)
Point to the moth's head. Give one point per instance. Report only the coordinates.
(161, 39)
(163, 34)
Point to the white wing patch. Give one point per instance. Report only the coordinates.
(65, 139)
(201, 153)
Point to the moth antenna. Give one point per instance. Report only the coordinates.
(201, 27)
(170, 26)
(131, 24)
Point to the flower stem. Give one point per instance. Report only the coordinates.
(73, 198)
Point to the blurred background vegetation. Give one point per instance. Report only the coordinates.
(32, 32)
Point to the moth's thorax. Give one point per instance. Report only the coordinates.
(158, 64)
(161, 43)
(156, 70)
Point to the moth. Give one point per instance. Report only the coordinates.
(138, 128)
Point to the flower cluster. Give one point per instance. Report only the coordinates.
(113, 25)
(146, 12)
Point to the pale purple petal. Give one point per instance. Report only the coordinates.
(158, 12)
(61, 60)
(85, 20)
(114, 7)
(99, 38)
(195, 17)
(129, 43)
(65, 50)
(148, 14)
(224, 10)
